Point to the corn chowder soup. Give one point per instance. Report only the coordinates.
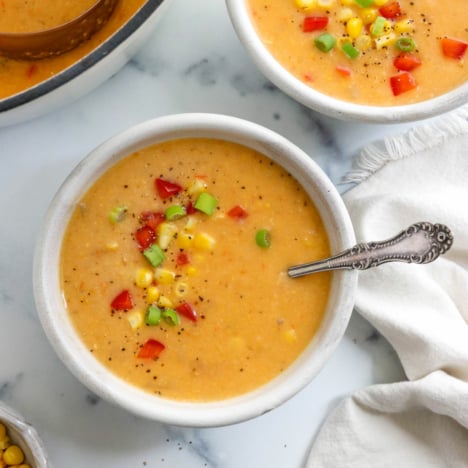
(173, 269)
(375, 52)
(22, 16)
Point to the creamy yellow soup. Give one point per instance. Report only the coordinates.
(24, 16)
(252, 321)
(19, 75)
(366, 71)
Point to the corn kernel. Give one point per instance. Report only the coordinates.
(181, 289)
(305, 4)
(325, 4)
(143, 277)
(290, 335)
(404, 26)
(136, 319)
(363, 42)
(341, 40)
(152, 294)
(191, 271)
(164, 301)
(380, 2)
(368, 15)
(348, 2)
(203, 241)
(13, 455)
(24, 465)
(385, 41)
(388, 27)
(191, 223)
(166, 232)
(197, 186)
(354, 27)
(345, 14)
(4, 443)
(184, 240)
(164, 276)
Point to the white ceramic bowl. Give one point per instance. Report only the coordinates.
(23, 434)
(86, 74)
(74, 353)
(241, 20)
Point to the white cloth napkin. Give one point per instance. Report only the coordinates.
(422, 310)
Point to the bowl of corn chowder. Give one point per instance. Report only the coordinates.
(161, 270)
(369, 60)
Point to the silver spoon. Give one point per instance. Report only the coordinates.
(420, 243)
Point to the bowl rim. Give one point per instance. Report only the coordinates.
(323, 103)
(69, 347)
(86, 62)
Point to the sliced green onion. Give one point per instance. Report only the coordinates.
(153, 315)
(325, 42)
(405, 44)
(364, 3)
(117, 214)
(154, 255)
(175, 212)
(170, 316)
(349, 50)
(262, 238)
(206, 203)
(378, 28)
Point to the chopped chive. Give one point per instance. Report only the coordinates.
(364, 3)
(405, 44)
(170, 316)
(377, 29)
(349, 50)
(206, 203)
(154, 255)
(117, 214)
(262, 238)
(153, 315)
(175, 212)
(325, 42)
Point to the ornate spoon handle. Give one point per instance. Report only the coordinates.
(420, 243)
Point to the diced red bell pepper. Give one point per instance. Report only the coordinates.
(190, 209)
(152, 219)
(238, 212)
(145, 236)
(402, 83)
(314, 23)
(123, 301)
(390, 10)
(186, 310)
(151, 349)
(406, 61)
(166, 188)
(182, 259)
(453, 48)
(343, 71)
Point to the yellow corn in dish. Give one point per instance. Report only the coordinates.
(11, 454)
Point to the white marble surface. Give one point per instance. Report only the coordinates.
(193, 62)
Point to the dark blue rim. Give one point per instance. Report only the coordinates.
(86, 62)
